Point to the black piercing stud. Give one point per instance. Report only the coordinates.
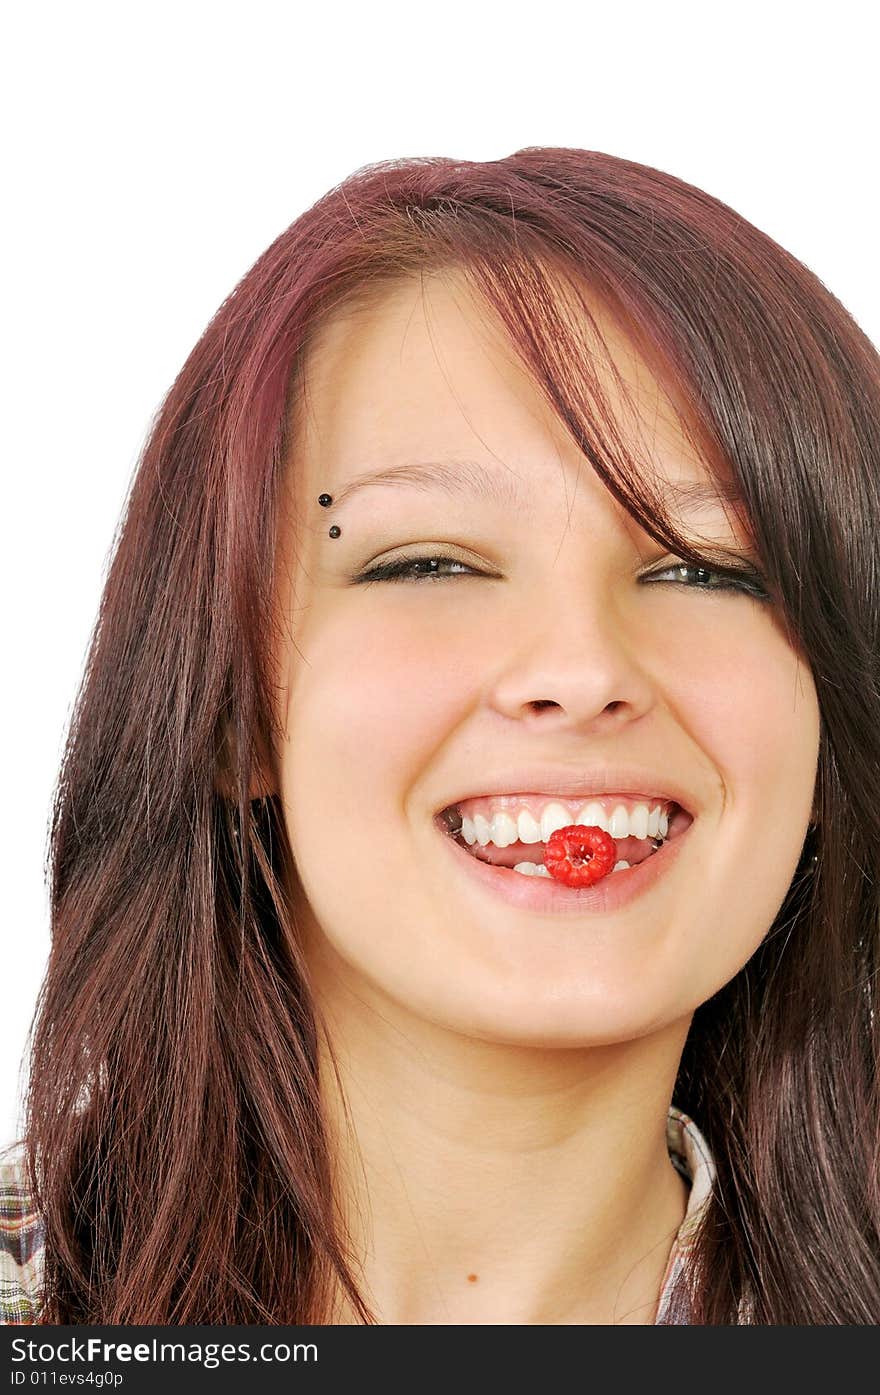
(325, 500)
(335, 531)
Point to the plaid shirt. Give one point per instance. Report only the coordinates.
(690, 1155)
(21, 1231)
(21, 1243)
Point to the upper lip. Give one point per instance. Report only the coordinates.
(582, 783)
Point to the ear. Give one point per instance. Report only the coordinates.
(262, 781)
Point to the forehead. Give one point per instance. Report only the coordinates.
(424, 373)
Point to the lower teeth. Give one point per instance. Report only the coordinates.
(537, 869)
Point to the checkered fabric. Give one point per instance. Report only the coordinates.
(690, 1155)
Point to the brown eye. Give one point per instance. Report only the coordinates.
(406, 569)
(748, 582)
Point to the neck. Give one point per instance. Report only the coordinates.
(499, 1184)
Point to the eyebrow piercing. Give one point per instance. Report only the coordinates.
(325, 500)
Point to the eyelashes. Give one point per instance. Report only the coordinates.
(746, 579)
(404, 569)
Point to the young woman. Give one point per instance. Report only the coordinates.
(499, 499)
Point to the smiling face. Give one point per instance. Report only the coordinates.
(542, 646)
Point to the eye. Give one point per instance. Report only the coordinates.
(422, 568)
(745, 580)
(405, 569)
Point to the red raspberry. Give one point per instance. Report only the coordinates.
(579, 856)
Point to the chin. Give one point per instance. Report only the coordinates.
(542, 1013)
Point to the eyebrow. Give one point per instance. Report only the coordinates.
(501, 486)
(696, 492)
(453, 477)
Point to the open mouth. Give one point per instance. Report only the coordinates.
(527, 857)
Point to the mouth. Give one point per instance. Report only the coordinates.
(526, 858)
(516, 875)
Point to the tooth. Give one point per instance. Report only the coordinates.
(553, 816)
(529, 828)
(468, 832)
(593, 816)
(621, 866)
(504, 830)
(618, 826)
(483, 829)
(531, 869)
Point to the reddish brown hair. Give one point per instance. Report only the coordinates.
(175, 1139)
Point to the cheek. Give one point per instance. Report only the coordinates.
(750, 703)
(369, 702)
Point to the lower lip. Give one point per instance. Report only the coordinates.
(543, 894)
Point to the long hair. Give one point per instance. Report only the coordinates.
(176, 1144)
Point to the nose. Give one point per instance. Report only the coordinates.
(574, 664)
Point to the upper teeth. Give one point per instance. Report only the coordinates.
(503, 828)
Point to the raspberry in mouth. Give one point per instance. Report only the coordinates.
(579, 855)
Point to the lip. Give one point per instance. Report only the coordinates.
(544, 895)
(631, 782)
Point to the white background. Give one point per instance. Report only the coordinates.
(153, 152)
